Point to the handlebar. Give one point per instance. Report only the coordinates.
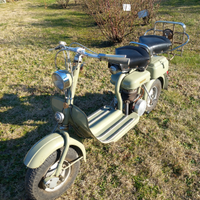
(118, 59)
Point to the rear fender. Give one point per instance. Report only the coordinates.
(164, 82)
(47, 145)
(148, 86)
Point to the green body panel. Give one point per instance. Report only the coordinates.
(109, 125)
(80, 122)
(72, 90)
(136, 118)
(133, 80)
(46, 146)
(106, 124)
(158, 66)
(165, 81)
(105, 121)
(57, 104)
(117, 91)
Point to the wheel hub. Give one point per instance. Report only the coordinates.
(153, 94)
(51, 182)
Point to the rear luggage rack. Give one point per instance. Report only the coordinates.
(175, 32)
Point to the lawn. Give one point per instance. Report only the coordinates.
(158, 159)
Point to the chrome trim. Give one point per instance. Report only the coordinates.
(174, 23)
(148, 94)
(148, 31)
(188, 39)
(65, 79)
(145, 46)
(59, 117)
(170, 22)
(83, 47)
(75, 161)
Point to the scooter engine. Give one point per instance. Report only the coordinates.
(134, 103)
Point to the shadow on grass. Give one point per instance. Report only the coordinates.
(27, 119)
(180, 3)
(74, 24)
(55, 6)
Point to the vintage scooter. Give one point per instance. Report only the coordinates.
(138, 75)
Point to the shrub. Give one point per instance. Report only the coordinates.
(113, 21)
(63, 3)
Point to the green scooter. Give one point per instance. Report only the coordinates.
(139, 73)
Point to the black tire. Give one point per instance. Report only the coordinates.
(154, 92)
(34, 177)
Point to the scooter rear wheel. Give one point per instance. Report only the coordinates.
(35, 186)
(154, 92)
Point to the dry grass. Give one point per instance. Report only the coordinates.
(158, 159)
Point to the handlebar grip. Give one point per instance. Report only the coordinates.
(118, 59)
(58, 47)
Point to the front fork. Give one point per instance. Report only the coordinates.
(61, 166)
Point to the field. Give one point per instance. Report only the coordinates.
(158, 159)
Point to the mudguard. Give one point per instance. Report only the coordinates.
(148, 86)
(164, 81)
(46, 146)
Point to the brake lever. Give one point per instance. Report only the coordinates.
(61, 45)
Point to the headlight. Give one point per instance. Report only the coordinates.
(62, 79)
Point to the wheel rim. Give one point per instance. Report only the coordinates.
(64, 173)
(153, 94)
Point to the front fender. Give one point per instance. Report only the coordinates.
(46, 146)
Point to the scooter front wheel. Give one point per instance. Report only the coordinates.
(154, 93)
(36, 186)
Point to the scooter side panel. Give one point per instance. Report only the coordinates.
(133, 80)
(46, 146)
(165, 81)
(57, 104)
(158, 66)
(79, 121)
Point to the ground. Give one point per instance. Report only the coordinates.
(158, 159)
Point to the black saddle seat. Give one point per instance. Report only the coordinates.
(157, 44)
(139, 57)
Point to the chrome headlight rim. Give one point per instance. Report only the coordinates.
(62, 79)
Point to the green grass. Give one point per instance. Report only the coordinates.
(158, 159)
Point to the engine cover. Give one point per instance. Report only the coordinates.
(129, 95)
(133, 80)
(140, 107)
